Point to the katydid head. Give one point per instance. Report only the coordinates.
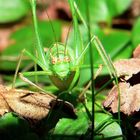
(61, 70)
(60, 60)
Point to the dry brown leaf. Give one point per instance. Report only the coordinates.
(6, 32)
(128, 90)
(56, 9)
(135, 8)
(127, 67)
(5, 38)
(129, 99)
(136, 52)
(4, 107)
(31, 105)
(137, 125)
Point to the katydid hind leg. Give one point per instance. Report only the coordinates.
(84, 51)
(104, 56)
(24, 76)
(98, 45)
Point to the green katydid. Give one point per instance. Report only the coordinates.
(61, 62)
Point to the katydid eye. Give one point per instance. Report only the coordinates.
(66, 59)
(54, 60)
(60, 60)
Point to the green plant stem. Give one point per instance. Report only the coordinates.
(92, 70)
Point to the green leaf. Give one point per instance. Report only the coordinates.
(74, 129)
(24, 38)
(103, 10)
(117, 7)
(95, 8)
(125, 53)
(115, 42)
(13, 127)
(71, 128)
(110, 128)
(136, 33)
(13, 10)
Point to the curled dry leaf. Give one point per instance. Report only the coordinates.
(127, 67)
(128, 90)
(32, 105)
(129, 98)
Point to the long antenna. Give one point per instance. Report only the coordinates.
(78, 45)
(39, 48)
(67, 39)
(55, 38)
